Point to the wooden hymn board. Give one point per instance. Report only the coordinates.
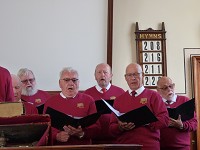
(151, 54)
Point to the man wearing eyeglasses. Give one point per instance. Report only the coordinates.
(103, 76)
(6, 91)
(29, 108)
(75, 104)
(177, 135)
(135, 97)
(30, 93)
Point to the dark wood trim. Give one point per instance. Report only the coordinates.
(81, 147)
(110, 32)
(196, 84)
(53, 92)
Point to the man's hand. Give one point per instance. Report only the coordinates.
(74, 131)
(124, 126)
(176, 123)
(62, 136)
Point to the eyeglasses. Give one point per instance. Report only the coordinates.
(16, 87)
(137, 74)
(67, 80)
(28, 80)
(164, 88)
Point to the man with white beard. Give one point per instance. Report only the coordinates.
(30, 93)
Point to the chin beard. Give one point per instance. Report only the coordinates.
(103, 83)
(29, 91)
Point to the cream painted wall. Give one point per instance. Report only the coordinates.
(182, 23)
(47, 35)
(32, 30)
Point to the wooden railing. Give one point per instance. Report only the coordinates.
(82, 147)
(53, 92)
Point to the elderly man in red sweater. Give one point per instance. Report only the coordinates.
(29, 108)
(104, 90)
(177, 135)
(6, 91)
(30, 92)
(147, 135)
(73, 103)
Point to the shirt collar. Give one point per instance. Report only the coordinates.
(99, 88)
(63, 96)
(173, 100)
(138, 91)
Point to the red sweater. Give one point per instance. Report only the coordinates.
(38, 98)
(80, 106)
(30, 108)
(110, 94)
(148, 135)
(6, 90)
(173, 138)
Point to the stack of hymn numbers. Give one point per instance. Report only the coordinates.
(151, 52)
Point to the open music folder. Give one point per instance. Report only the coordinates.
(139, 116)
(59, 119)
(186, 110)
(102, 107)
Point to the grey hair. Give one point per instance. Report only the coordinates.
(107, 65)
(68, 69)
(15, 77)
(24, 71)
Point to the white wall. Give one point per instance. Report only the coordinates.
(47, 35)
(182, 23)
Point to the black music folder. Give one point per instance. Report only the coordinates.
(40, 108)
(59, 119)
(102, 107)
(186, 110)
(139, 116)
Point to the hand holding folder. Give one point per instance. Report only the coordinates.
(59, 119)
(139, 116)
(186, 110)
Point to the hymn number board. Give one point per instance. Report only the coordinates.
(151, 54)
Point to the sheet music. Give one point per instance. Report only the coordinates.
(116, 112)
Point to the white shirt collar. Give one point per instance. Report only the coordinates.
(173, 100)
(99, 88)
(138, 91)
(63, 96)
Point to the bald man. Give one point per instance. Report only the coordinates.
(147, 135)
(104, 89)
(177, 135)
(17, 89)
